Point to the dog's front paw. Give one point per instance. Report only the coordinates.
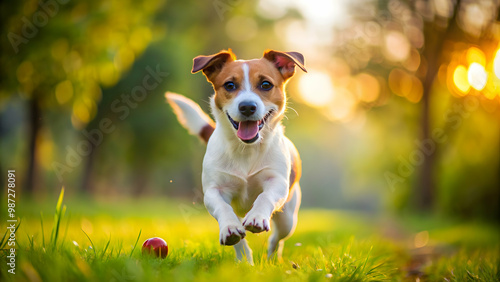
(256, 223)
(231, 234)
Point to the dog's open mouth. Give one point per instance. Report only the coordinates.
(248, 130)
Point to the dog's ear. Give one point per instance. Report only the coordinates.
(285, 62)
(211, 65)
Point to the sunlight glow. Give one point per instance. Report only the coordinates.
(406, 85)
(477, 76)
(367, 87)
(491, 90)
(397, 47)
(272, 9)
(87, 226)
(421, 239)
(324, 12)
(460, 79)
(496, 64)
(474, 55)
(316, 88)
(342, 106)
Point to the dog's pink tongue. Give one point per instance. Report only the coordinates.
(247, 130)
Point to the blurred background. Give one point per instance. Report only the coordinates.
(399, 111)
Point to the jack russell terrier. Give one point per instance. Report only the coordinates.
(250, 169)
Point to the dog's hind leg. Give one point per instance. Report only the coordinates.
(284, 223)
(243, 250)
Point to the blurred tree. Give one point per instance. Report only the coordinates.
(401, 46)
(441, 31)
(435, 37)
(149, 125)
(58, 55)
(429, 26)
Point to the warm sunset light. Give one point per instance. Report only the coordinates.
(316, 88)
(477, 76)
(342, 106)
(397, 46)
(367, 87)
(496, 64)
(474, 55)
(460, 79)
(405, 85)
(323, 12)
(338, 140)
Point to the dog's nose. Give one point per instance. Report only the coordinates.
(247, 108)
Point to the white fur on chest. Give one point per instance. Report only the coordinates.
(238, 171)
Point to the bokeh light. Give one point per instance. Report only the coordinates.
(397, 47)
(460, 79)
(421, 239)
(46, 152)
(405, 85)
(342, 105)
(496, 64)
(492, 89)
(366, 87)
(272, 9)
(108, 74)
(316, 88)
(474, 55)
(477, 76)
(64, 91)
(324, 12)
(123, 58)
(413, 61)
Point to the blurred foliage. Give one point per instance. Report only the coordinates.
(383, 76)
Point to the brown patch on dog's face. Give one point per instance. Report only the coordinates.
(260, 70)
(230, 72)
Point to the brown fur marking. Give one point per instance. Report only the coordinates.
(296, 168)
(206, 132)
(260, 70)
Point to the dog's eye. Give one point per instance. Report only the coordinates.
(230, 86)
(266, 85)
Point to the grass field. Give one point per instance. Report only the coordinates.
(90, 240)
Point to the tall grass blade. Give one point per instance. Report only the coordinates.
(57, 219)
(92, 243)
(5, 237)
(366, 261)
(139, 236)
(106, 248)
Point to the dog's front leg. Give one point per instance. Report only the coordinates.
(231, 230)
(272, 198)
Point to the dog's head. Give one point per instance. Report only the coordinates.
(249, 95)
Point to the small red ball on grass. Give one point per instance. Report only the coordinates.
(155, 245)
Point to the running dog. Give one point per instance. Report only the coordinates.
(251, 171)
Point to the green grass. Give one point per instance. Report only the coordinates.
(94, 240)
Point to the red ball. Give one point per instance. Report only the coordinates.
(155, 245)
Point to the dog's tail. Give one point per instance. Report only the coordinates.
(191, 116)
